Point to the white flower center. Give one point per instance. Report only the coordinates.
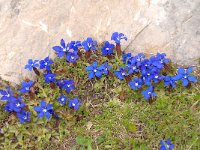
(45, 63)
(134, 67)
(72, 57)
(62, 99)
(136, 84)
(27, 88)
(73, 104)
(123, 74)
(156, 77)
(68, 85)
(44, 110)
(18, 104)
(8, 95)
(95, 70)
(107, 48)
(64, 49)
(149, 93)
(25, 118)
(185, 76)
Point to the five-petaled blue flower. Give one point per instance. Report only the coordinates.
(62, 99)
(44, 110)
(68, 85)
(26, 87)
(121, 73)
(75, 45)
(7, 94)
(72, 57)
(63, 49)
(148, 93)
(104, 68)
(107, 49)
(46, 63)
(31, 64)
(136, 83)
(117, 37)
(166, 145)
(184, 75)
(93, 70)
(74, 103)
(24, 116)
(16, 104)
(49, 77)
(89, 44)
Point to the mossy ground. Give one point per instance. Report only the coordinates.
(112, 116)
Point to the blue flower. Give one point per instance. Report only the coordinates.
(93, 70)
(26, 86)
(125, 57)
(7, 95)
(46, 63)
(136, 83)
(15, 105)
(62, 99)
(24, 116)
(68, 85)
(148, 93)
(107, 49)
(184, 75)
(32, 64)
(169, 81)
(49, 77)
(121, 73)
(72, 57)
(75, 45)
(63, 49)
(89, 44)
(104, 68)
(44, 110)
(117, 37)
(166, 145)
(132, 67)
(74, 103)
(140, 57)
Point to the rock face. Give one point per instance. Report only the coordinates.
(29, 29)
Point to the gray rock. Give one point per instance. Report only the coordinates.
(29, 29)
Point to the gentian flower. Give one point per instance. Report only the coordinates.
(93, 71)
(62, 99)
(117, 37)
(63, 49)
(26, 87)
(184, 75)
(75, 45)
(140, 57)
(24, 116)
(132, 67)
(46, 63)
(49, 77)
(166, 145)
(104, 68)
(136, 83)
(169, 81)
(7, 95)
(31, 64)
(107, 49)
(72, 57)
(121, 73)
(16, 104)
(74, 103)
(68, 85)
(44, 110)
(125, 57)
(89, 44)
(148, 93)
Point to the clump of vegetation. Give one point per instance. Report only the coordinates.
(97, 97)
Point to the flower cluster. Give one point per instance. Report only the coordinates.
(15, 104)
